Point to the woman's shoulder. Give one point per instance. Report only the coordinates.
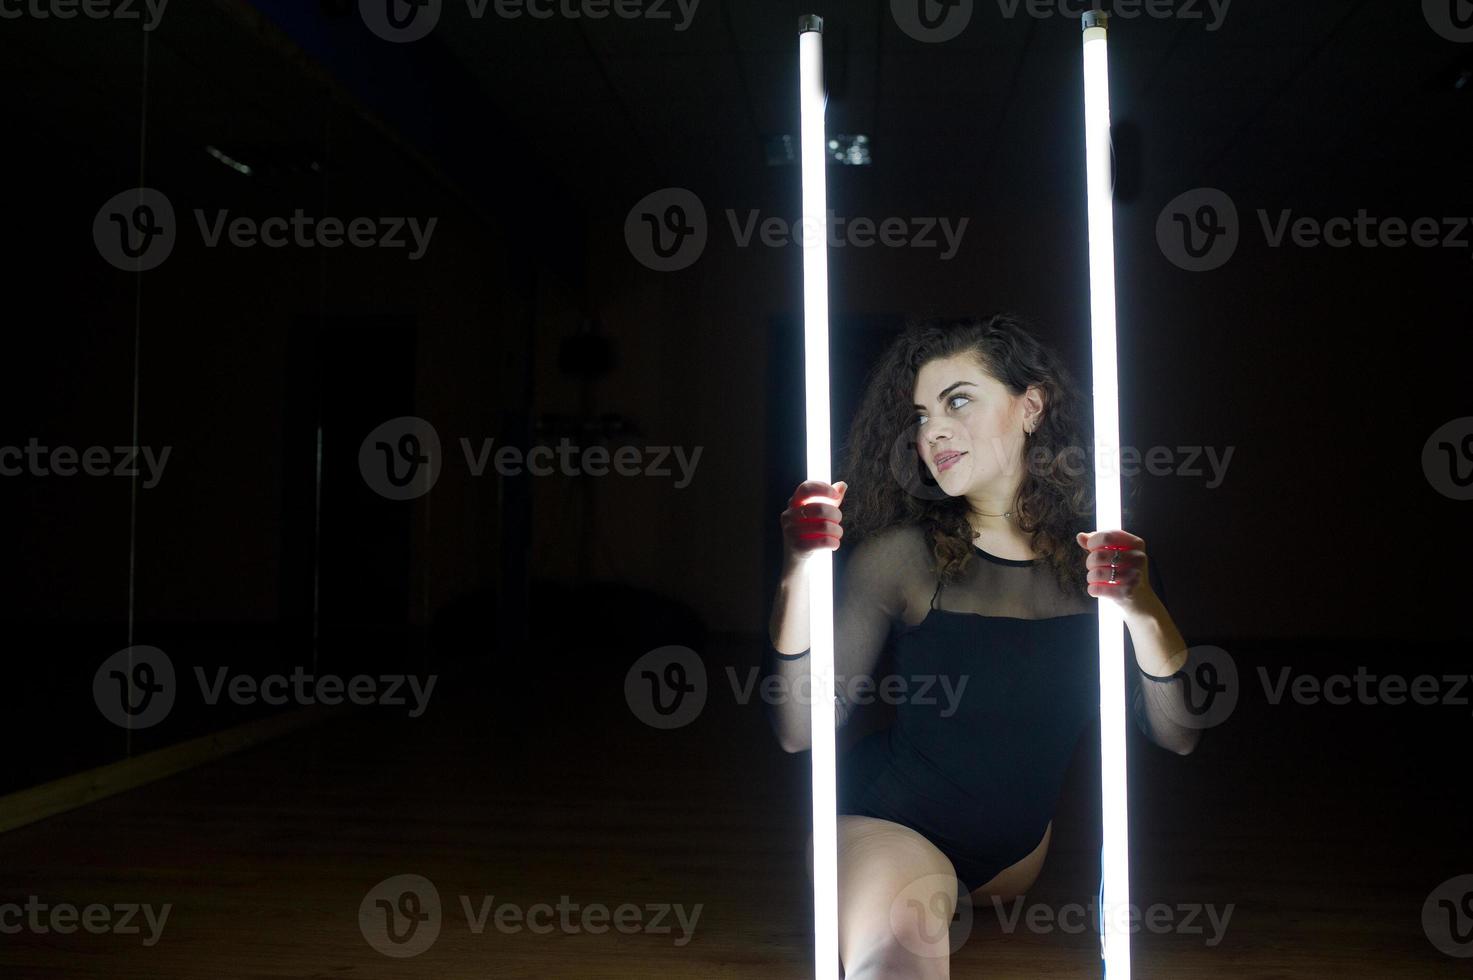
(895, 539)
(892, 566)
(896, 549)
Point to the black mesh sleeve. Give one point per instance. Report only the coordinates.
(1162, 693)
(869, 587)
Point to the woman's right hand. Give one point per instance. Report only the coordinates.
(811, 523)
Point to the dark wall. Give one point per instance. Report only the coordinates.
(1323, 371)
(248, 551)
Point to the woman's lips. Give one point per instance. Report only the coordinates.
(945, 460)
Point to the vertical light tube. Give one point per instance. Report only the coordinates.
(1115, 852)
(820, 567)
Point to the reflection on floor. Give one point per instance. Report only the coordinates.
(557, 835)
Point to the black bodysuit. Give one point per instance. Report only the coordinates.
(1000, 675)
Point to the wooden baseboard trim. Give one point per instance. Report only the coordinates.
(70, 792)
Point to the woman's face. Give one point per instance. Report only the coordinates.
(971, 428)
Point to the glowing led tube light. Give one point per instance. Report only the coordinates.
(1115, 852)
(820, 566)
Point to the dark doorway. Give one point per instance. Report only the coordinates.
(346, 548)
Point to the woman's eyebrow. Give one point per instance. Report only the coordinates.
(948, 390)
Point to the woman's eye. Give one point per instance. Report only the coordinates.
(920, 418)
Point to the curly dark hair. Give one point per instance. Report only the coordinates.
(889, 484)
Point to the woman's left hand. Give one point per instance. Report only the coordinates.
(1132, 585)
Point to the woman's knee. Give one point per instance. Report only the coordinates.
(898, 893)
(921, 914)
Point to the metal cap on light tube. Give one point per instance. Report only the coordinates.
(810, 22)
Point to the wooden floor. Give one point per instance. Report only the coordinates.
(1317, 829)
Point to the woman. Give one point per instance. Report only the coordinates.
(971, 561)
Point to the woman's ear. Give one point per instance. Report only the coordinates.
(1034, 402)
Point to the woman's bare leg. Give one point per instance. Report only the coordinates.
(897, 894)
(897, 898)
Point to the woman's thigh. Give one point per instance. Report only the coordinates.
(895, 889)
